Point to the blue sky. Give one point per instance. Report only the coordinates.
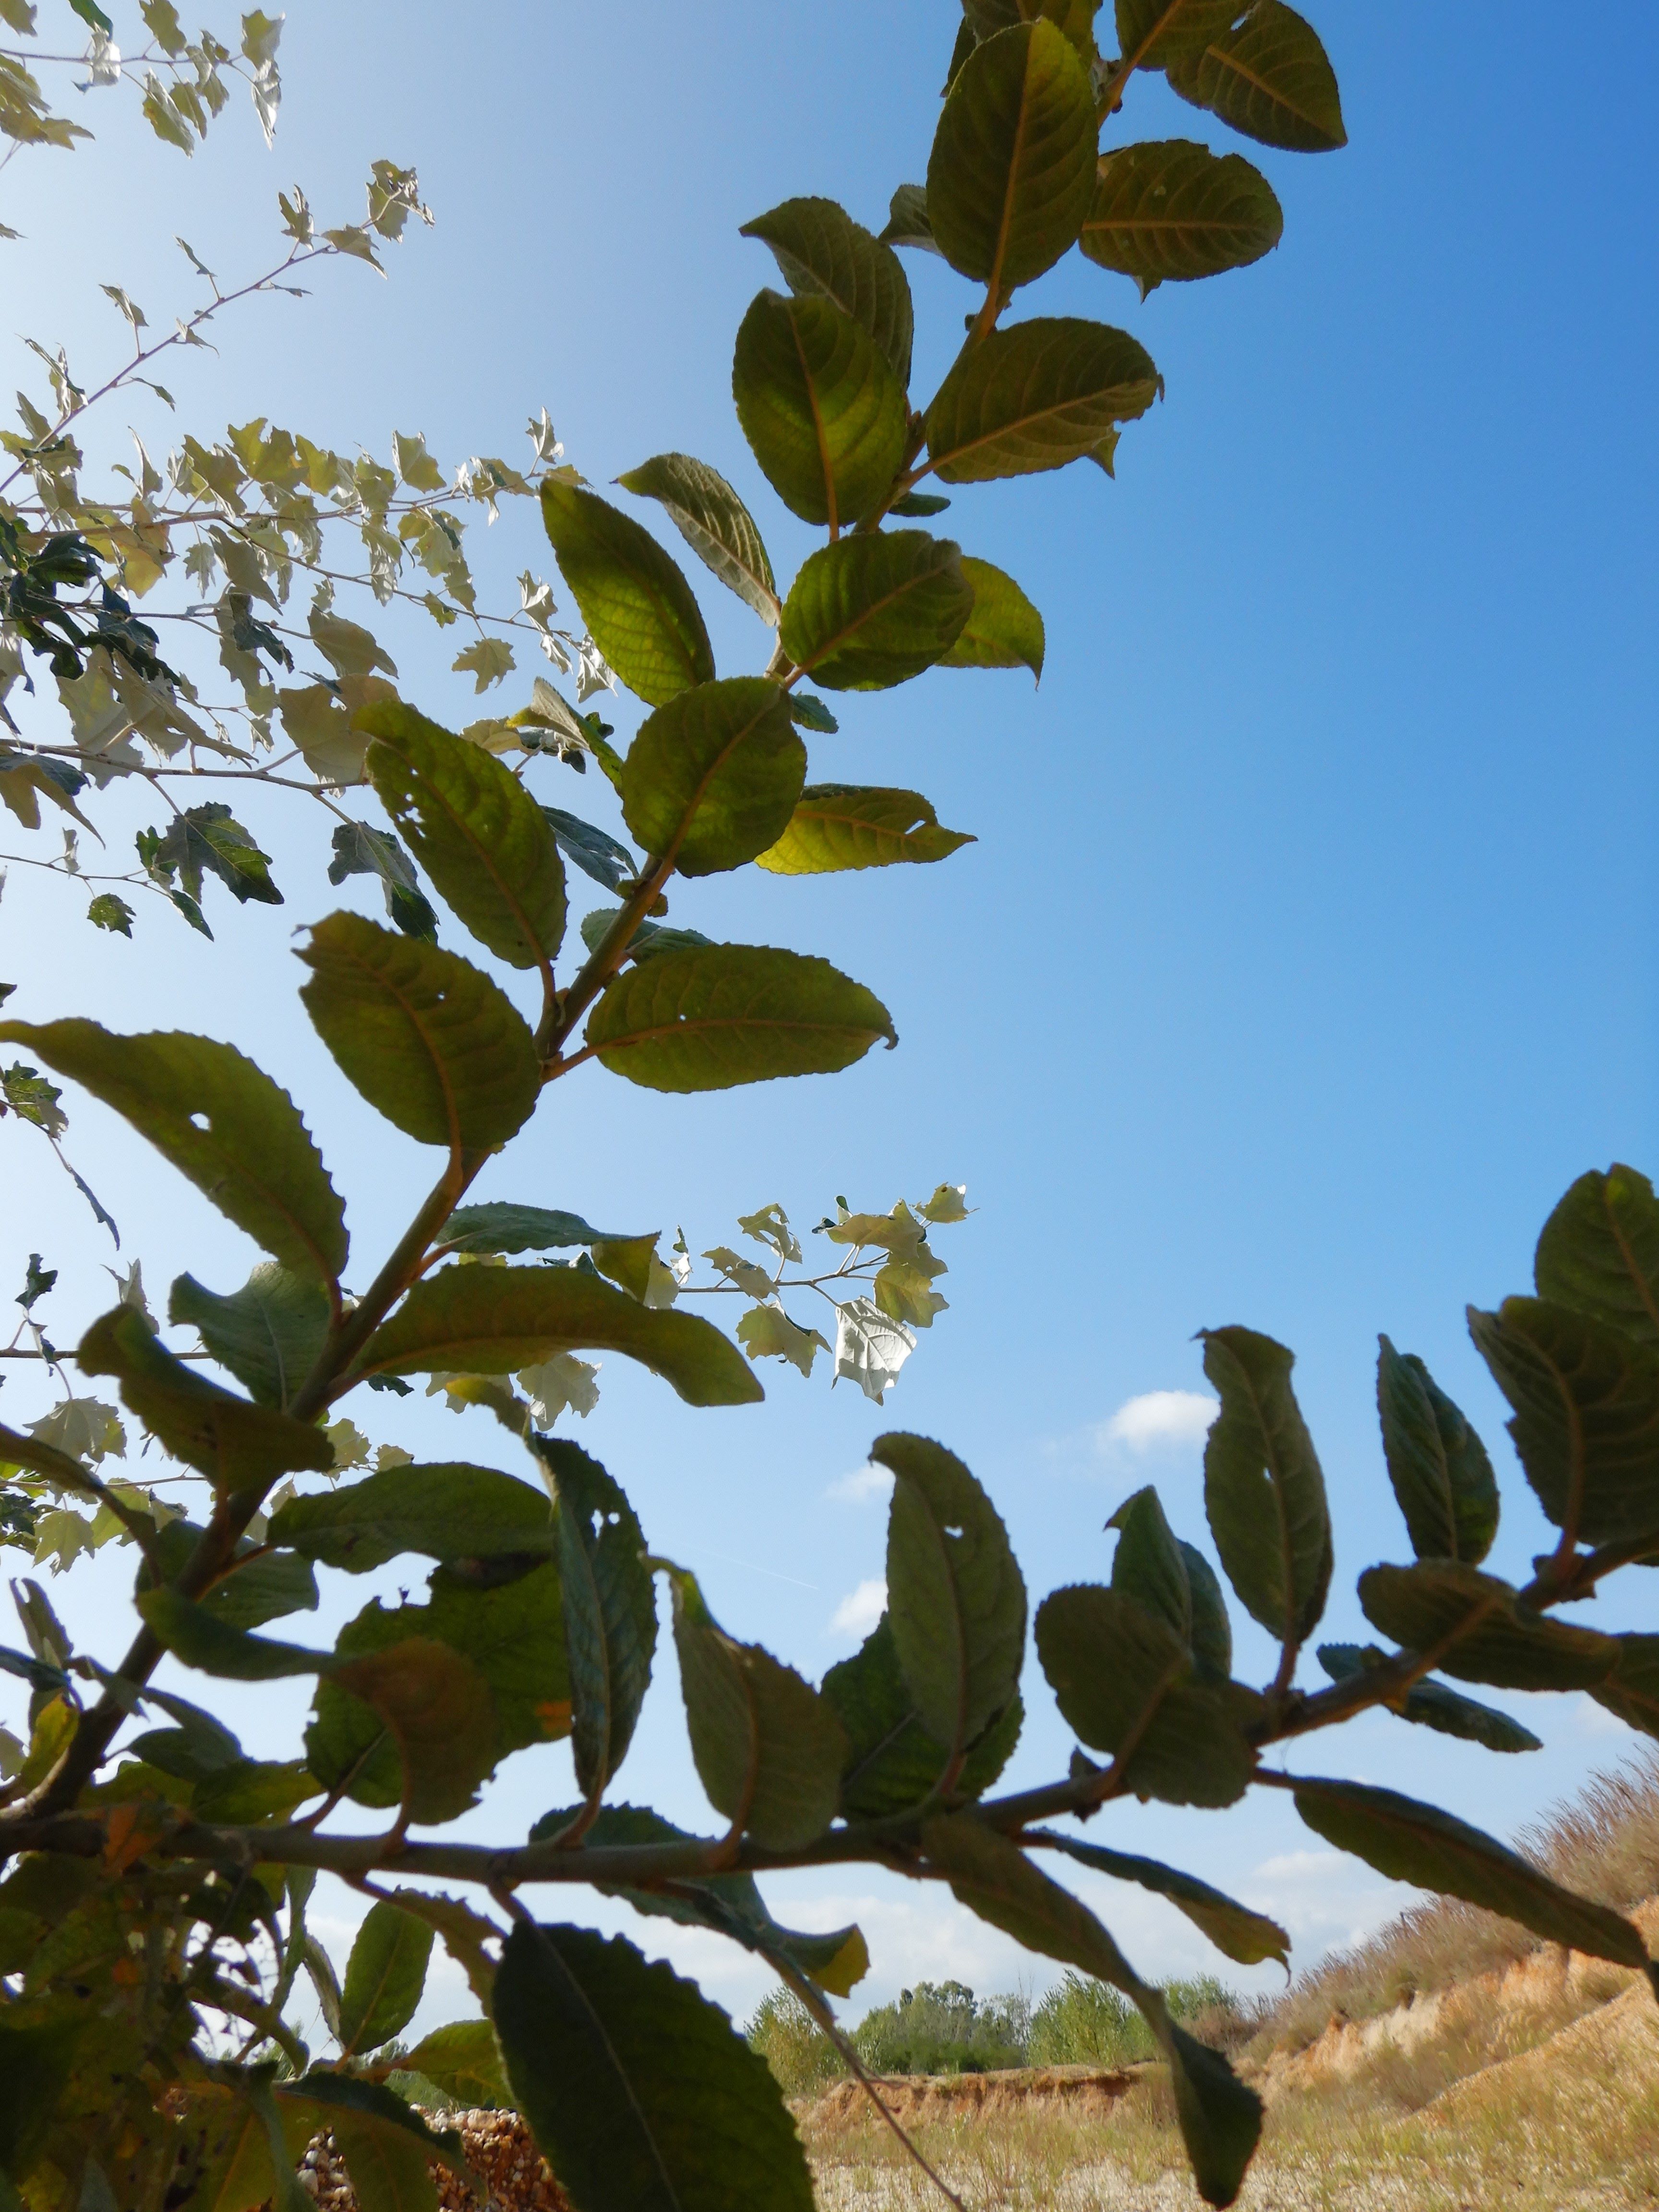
(1307, 951)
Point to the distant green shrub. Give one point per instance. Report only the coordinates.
(943, 2029)
(802, 2058)
(1082, 2022)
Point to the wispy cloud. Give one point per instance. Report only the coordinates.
(860, 1609)
(1158, 1421)
(866, 1482)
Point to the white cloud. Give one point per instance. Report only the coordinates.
(1159, 1421)
(858, 1611)
(865, 1482)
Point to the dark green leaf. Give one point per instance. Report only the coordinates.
(254, 1790)
(465, 1932)
(425, 1037)
(983, 19)
(1263, 1490)
(219, 1120)
(907, 220)
(1599, 1253)
(211, 838)
(595, 852)
(841, 826)
(1212, 1631)
(269, 1334)
(810, 713)
(1431, 1705)
(263, 1584)
(649, 940)
(385, 2144)
(1014, 160)
(35, 2064)
(1005, 630)
(485, 844)
(1270, 78)
(1632, 1690)
(361, 851)
(820, 406)
(447, 1511)
(1037, 396)
(824, 253)
(1149, 1565)
(893, 1763)
(1173, 211)
(416, 1722)
(109, 910)
(199, 1637)
(1586, 1425)
(1437, 1465)
(1246, 1936)
(385, 1977)
(610, 1610)
(493, 1321)
(1498, 1639)
(713, 522)
(919, 503)
(633, 599)
(510, 1228)
(704, 1020)
(712, 778)
(1151, 33)
(463, 2062)
(872, 611)
(635, 2087)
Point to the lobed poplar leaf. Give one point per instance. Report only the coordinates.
(1263, 1490)
(1037, 396)
(635, 2087)
(1431, 1705)
(1437, 1465)
(1246, 1936)
(486, 844)
(1172, 211)
(824, 413)
(1480, 1629)
(1005, 630)
(426, 1038)
(1012, 163)
(872, 612)
(220, 1120)
(384, 1978)
(448, 1511)
(610, 1610)
(1598, 1252)
(494, 1321)
(269, 1334)
(1269, 78)
(893, 1763)
(712, 778)
(824, 253)
(637, 605)
(713, 522)
(837, 827)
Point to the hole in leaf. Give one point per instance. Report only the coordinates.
(953, 1532)
(200, 1121)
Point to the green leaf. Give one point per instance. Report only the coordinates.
(1037, 396)
(220, 1120)
(510, 1228)
(872, 612)
(493, 1321)
(235, 1443)
(465, 1932)
(810, 713)
(386, 2143)
(632, 597)
(1220, 2118)
(768, 1750)
(1171, 211)
(430, 1703)
(483, 840)
(1431, 1705)
(766, 1332)
(1437, 1465)
(361, 851)
(1013, 166)
(463, 2062)
(712, 778)
(269, 1334)
(1586, 1425)
(425, 1037)
(893, 1763)
(956, 1598)
(983, 19)
(610, 1610)
(837, 827)
(199, 1637)
(713, 522)
(447, 1511)
(1126, 1684)
(384, 1978)
(1148, 1564)
(1270, 79)
(1599, 1253)
(823, 410)
(108, 910)
(635, 2087)
(1151, 33)
(209, 837)
(708, 1019)
(823, 254)
(1005, 630)
(1212, 1631)
(35, 2065)
(1263, 1490)
(595, 852)
(907, 220)
(1499, 1640)
(1246, 1936)
(1632, 1690)
(1419, 1844)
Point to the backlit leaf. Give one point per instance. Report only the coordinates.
(1151, 33)
(1497, 1639)
(713, 777)
(1005, 630)
(841, 826)
(893, 1763)
(1037, 396)
(1263, 1490)
(1437, 1465)
(269, 1334)
(1171, 211)
(610, 1610)
(907, 220)
(824, 253)
(1269, 78)
(385, 1977)
(820, 406)
(500, 1227)
(450, 1511)
(1431, 1705)
(713, 522)
(1246, 1936)
(637, 605)
(1598, 1252)
(872, 612)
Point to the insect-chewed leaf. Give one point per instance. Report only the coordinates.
(1586, 1425)
(637, 605)
(713, 1017)
(1125, 1682)
(869, 612)
(1431, 1705)
(610, 1610)
(713, 522)
(425, 1037)
(1420, 1844)
(1598, 1252)
(226, 1439)
(1269, 78)
(1246, 1936)
(385, 1977)
(841, 826)
(956, 1597)
(493, 1321)
(713, 777)
(1151, 33)
(1437, 1465)
(447, 1511)
(1263, 1490)
(269, 1334)
(1013, 159)
(1005, 630)
(1172, 211)
(768, 1749)
(820, 406)
(893, 1763)
(1499, 1640)
(220, 1120)
(824, 253)
(1037, 396)
(486, 844)
(1149, 1564)
(635, 2087)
